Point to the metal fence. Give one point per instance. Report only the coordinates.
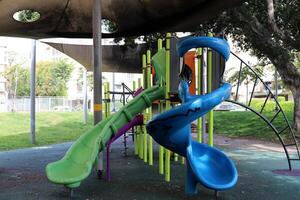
(43, 104)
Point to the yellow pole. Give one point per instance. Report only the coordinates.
(135, 137)
(209, 85)
(140, 136)
(168, 106)
(160, 109)
(149, 78)
(145, 112)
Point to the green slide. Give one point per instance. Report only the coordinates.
(78, 162)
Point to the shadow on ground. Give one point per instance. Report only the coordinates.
(22, 176)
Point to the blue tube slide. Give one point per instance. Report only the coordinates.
(217, 44)
(172, 129)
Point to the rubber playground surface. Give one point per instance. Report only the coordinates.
(22, 175)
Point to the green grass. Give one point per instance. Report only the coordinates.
(54, 127)
(51, 127)
(248, 124)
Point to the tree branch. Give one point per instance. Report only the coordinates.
(284, 36)
(261, 38)
(271, 18)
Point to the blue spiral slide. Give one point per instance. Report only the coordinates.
(205, 165)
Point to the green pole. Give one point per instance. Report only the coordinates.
(168, 106)
(199, 121)
(140, 136)
(160, 109)
(209, 85)
(135, 138)
(145, 112)
(150, 108)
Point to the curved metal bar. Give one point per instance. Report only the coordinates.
(270, 124)
(265, 119)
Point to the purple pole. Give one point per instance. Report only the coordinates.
(138, 120)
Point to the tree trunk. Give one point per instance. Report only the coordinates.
(291, 78)
(296, 96)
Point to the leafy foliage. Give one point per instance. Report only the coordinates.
(270, 29)
(51, 80)
(251, 22)
(108, 26)
(52, 77)
(27, 16)
(17, 81)
(246, 75)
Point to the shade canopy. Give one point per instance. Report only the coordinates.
(73, 18)
(115, 58)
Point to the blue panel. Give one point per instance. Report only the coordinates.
(217, 44)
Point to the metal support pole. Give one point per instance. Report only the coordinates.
(199, 121)
(32, 92)
(113, 89)
(85, 106)
(209, 90)
(104, 107)
(97, 70)
(125, 134)
(108, 97)
(203, 85)
(97, 61)
(276, 88)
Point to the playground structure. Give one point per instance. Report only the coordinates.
(78, 161)
(60, 19)
(97, 138)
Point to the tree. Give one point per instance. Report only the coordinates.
(270, 29)
(17, 81)
(52, 77)
(51, 80)
(246, 76)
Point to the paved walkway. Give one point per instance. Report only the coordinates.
(22, 176)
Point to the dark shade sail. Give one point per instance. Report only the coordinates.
(116, 58)
(73, 18)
